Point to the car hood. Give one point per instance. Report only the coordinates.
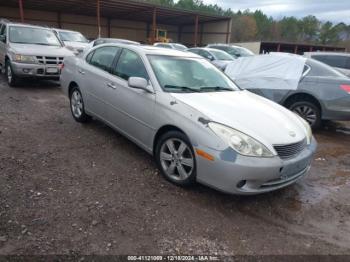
(251, 114)
(77, 45)
(40, 50)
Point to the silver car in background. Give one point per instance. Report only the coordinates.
(72, 40)
(191, 117)
(217, 57)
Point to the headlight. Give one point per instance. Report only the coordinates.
(307, 128)
(240, 142)
(25, 59)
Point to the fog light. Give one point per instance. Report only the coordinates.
(241, 183)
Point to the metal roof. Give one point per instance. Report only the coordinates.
(119, 9)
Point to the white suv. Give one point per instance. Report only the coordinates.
(28, 51)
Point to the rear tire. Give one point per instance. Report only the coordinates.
(77, 106)
(175, 158)
(12, 79)
(309, 111)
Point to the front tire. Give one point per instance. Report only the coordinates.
(309, 111)
(12, 79)
(77, 106)
(176, 159)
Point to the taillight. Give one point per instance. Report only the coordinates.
(346, 88)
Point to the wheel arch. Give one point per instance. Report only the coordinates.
(161, 131)
(297, 97)
(71, 85)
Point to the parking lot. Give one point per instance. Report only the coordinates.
(67, 188)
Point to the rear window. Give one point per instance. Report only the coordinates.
(320, 69)
(334, 60)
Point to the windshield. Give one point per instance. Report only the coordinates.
(32, 35)
(183, 74)
(180, 47)
(72, 37)
(235, 51)
(220, 55)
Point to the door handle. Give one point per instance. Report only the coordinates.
(111, 85)
(81, 71)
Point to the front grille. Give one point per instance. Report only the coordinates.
(288, 151)
(49, 60)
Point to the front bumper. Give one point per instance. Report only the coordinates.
(36, 70)
(236, 174)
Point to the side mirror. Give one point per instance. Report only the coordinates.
(3, 38)
(211, 58)
(139, 83)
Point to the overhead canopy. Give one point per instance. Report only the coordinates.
(119, 9)
(270, 71)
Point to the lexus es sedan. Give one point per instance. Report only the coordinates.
(191, 117)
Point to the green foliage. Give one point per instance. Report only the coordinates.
(252, 26)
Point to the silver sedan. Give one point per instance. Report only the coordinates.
(191, 117)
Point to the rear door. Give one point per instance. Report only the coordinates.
(96, 80)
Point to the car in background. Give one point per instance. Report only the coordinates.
(72, 40)
(318, 93)
(218, 58)
(175, 46)
(101, 41)
(234, 51)
(339, 61)
(28, 51)
(191, 117)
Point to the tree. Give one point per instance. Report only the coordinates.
(329, 34)
(309, 28)
(263, 24)
(289, 29)
(244, 28)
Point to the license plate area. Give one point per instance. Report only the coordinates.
(52, 70)
(294, 168)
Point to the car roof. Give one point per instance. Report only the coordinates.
(26, 25)
(326, 53)
(153, 50)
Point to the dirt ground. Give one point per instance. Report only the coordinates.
(68, 188)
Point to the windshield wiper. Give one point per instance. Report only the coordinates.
(216, 88)
(185, 88)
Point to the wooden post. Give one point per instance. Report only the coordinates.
(228, 33)
(98, 18)
(310, 49)
(296, 49)
(154, 26)
(21, 13)
(196, 31)
(278, 47)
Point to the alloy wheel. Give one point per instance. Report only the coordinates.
(176, 159)
(9, 74)
(307, 113)
(77, 104)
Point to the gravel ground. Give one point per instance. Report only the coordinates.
(67, 188)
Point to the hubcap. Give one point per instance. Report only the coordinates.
(307, 113)
(77, 104)
(176, 159)
(9, 74)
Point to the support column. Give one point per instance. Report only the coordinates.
(154, 26)
(228, 31)
(278, 47)
(59, 20)
(98, 18)
(179, 34)
(201, 34)
(196, 31)
(296, 49)
(21, 12)
(108, 27)
(311, 48)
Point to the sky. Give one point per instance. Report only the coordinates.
(332, 10)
